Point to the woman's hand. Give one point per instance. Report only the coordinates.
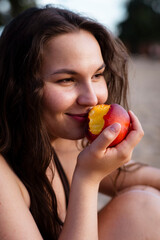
(98, 160)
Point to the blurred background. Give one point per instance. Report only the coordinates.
(137, 23)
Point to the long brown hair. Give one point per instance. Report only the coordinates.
(24, 141)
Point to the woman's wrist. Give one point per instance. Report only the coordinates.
(87, 178)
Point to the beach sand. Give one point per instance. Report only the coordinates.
(144, 78)
(144, 101)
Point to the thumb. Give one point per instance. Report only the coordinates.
(107, 136)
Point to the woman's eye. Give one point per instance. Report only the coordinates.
(98, 75)
(66, 81)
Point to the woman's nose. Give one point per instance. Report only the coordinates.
(87, 96)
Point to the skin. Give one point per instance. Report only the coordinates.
(80, 90)
(68, 96)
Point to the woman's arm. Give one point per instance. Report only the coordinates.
(132, 175)
(16, 221)
(95, 163)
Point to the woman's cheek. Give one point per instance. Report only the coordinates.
(56, 98)
(102, 93)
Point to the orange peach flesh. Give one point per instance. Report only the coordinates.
(96, 121)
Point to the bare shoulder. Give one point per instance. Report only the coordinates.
(10, 179)
(6, 174)
(10, 184)
(15, 215)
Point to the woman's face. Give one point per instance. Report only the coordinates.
(72, 70)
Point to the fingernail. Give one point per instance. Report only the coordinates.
(115, 127)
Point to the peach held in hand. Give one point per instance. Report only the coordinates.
(102, 116)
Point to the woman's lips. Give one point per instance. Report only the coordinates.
(79, 117)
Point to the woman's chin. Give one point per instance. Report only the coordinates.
(77, 136)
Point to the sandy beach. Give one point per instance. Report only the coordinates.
(144, 78)
(144, 101)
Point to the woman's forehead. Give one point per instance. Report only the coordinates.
(72, 48)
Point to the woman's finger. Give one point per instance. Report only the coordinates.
(136, 125)
(106, 138)
(136, 132)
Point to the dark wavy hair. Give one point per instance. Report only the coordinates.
(24, 140)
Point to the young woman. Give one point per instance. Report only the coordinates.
(55, 65)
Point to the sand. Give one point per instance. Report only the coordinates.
(144, 100)
(144, 78)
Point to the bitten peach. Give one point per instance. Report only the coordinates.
(102, 116)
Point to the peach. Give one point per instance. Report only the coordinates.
(102, 116)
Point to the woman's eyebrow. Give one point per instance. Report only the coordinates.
(64, 70)
(70, 71)
(101, 67)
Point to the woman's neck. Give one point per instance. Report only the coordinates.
(65, 145)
